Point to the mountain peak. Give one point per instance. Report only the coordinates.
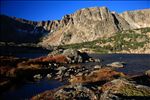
(86, 24)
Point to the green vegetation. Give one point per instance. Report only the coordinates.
(130, 90)
(145, 30)
(125, 40)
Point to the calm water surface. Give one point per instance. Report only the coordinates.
(24, 91)
(134, 63)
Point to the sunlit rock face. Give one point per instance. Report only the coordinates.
(86, 24)
(137, 19)
(91, 23)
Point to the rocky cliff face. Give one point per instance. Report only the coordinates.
(137, 19)
(84, 25)
(91, 23)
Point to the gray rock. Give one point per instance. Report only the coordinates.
(97, 67)
(61, 70)
(75, 92)
(48, 76)
(67, 74)
(72, 55)
(116, 64)
(79, 74)
(76, 56)
(49, 65)
(97, 60)
(91, 60)
(125, 87)
(147, 73)
(38, 76)
(143, 87)
(55, 64)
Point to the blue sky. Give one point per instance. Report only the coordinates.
(51, 10)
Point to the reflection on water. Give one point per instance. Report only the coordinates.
(27, 90)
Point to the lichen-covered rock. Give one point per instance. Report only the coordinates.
(104, 74)
(109, 96)
(42, 62)
(75, 92)
(56, 58)
(67, 56)
(41, 65)
(126, 88)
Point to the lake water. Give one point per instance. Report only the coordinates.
(24, 91)
(25, 52)
(135, 63)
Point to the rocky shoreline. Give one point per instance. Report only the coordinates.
(98, 82)
(13, 68)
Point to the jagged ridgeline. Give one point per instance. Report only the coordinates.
(84, 25)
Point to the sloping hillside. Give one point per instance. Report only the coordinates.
(129, 41)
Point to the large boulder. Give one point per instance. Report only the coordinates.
(126, 88)
(75, 56)
(75, 92)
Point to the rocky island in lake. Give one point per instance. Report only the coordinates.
(92, 54)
